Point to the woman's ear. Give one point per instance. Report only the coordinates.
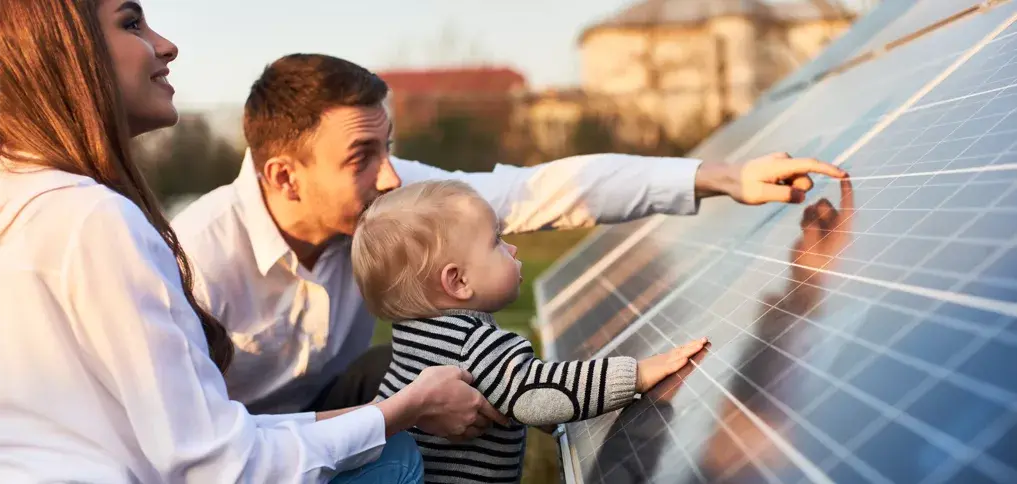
(454, 284)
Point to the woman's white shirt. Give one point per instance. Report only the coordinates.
(106, 373)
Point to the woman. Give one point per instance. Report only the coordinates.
(112, 372)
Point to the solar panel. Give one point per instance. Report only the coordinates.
(574, 274)
(888, 23)
(603, 240)
(835, 114)
(593, 248)
(893, 361)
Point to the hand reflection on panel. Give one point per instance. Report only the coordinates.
(779, 332)
(640, 429)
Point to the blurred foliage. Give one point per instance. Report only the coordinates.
(187, 159)
(600, 134)
(452, 142)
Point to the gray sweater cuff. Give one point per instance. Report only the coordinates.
(620, 387)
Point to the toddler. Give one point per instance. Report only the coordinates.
(430, 258)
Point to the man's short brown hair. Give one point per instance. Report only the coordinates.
(288, 100)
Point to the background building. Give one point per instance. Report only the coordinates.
(684, 66)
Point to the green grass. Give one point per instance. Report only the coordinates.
(537, 252)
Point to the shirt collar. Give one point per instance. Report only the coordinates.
(266, 240)
(482, 316)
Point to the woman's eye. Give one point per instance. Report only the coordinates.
(133, 24)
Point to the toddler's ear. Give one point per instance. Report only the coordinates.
(453, 283)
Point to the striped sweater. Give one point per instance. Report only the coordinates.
(504, 369)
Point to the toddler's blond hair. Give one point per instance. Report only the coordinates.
(401, 243)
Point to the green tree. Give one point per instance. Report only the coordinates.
(452, 142)
(188, 159)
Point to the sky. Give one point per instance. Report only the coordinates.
(224, 44)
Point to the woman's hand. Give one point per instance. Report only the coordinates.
(440, 401)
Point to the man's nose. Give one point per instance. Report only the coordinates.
(387, 177)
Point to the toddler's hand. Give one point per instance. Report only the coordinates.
(652, 370)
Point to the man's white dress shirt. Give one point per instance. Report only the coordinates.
(297, 328)
(106, 374)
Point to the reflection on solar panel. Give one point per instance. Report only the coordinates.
(869, 336)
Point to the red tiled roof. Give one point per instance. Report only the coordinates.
(458, 80)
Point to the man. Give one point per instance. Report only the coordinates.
(271, 250)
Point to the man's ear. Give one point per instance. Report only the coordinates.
(454, 284)
(280, 175)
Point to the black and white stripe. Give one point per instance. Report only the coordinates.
(505, 370)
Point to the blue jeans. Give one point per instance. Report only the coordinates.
(400, 463)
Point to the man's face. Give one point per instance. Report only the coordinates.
(349, 167)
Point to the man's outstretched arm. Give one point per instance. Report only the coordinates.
(582, 191)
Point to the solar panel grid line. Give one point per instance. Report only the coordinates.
(658, 329)
(844, 155)
(983, 169)
(928, 87)
(966, 96)
(657, 220)
(1012, 307)
(630, 305)
(605, 428)
(577, 259)
(639, 461)
(949, 470)
(602, 264)
(943, 372)
(688, 458)
(889, 412)
(637, 324)
(975, 330)
(1000, 248)
(742, 150)
(987, 391)
(999, 252)
(935, 375)
(632, 271)
(743, 147)
(883, 49)
(972, 348)
(667, 338)
(810, 469)
(571, 254)
(898, 414)
(748, 148)
(977, 302)
(831, 444)
(646, 297)
(964, 299)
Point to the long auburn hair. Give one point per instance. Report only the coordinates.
(59, 102)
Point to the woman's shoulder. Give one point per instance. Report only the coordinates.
(58, 211)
